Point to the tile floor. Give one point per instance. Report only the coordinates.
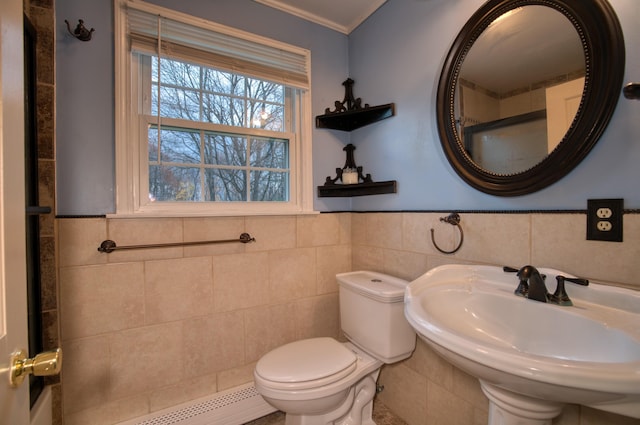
(381, 415)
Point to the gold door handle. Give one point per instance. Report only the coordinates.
(43, 364)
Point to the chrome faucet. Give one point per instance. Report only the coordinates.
(532, 286)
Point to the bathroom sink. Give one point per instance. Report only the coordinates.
(537, 353)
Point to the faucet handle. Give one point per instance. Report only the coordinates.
(578, 280)
(560, 296)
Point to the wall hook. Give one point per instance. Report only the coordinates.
(81, 32)
(454, 220)
(632, 91)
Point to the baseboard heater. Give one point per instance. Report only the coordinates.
(235, 406)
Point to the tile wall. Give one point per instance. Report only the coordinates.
(143, 330)
(146, 329)
(426, 390)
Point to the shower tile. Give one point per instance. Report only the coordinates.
(240, 281)
(177, 289)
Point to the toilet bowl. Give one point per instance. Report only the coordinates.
(321, 381)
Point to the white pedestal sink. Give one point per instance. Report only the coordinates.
(532, 357)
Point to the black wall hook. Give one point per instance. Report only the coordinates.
(81, 32)
(632, 91)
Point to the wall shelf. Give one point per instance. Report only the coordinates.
(360, 189)
(350, 114)
(351, 120)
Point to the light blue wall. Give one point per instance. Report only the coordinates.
(396, 56)
(85, 93)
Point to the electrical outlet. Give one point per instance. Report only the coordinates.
(604, 219)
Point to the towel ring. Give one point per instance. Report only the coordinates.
(454, 220)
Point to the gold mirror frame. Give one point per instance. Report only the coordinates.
(599, 30)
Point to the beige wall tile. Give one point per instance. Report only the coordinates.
(384, 230)
(429, 364)
(234, 377)
(240, 281)
(332, 260)
(144, 359)
(292, 274)
(359, 229)
(85, 373)
(317, 316)
(318, 230)
(213, 229)
(405, 265)
(500, 239)
(213, 343)
(559, 241)
(416, 232)
(344, 223)
(145, 231)
(367, 258)
(446, 408)
(405, 393)
(271, 233)
(185, 390)
(99, 299)
(110, 412)
(268, 327)
(79, 239)
(177, 289)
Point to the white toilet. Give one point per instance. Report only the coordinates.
(321, 381)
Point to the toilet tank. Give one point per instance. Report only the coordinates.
(372, 314)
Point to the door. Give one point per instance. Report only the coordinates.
(14, 402)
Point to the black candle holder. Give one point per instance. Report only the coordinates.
(350, 163)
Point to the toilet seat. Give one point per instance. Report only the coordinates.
(306, 364)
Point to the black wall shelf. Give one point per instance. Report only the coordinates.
(351, 120)
(360, 189)
(349, 113)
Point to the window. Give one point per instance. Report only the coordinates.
(209, 120)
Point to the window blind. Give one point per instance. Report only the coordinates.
(192, 39)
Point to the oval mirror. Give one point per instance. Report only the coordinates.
(527, 89)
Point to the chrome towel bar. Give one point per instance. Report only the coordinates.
(108, 245)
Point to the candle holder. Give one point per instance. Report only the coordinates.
(346, 173)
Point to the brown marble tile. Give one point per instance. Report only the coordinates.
(48, 289)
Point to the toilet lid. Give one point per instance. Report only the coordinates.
(307, 360)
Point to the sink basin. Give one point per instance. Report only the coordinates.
(530, 355)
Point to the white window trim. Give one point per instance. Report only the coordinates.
(128, 149)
